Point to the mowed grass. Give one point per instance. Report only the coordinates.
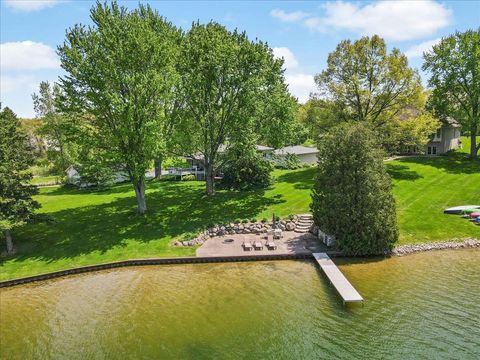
(91, 227)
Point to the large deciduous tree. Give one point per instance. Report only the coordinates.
(120, 77)
(352, 197)
(363, 82)
(232, 89)
(454, 66)
(16, 203)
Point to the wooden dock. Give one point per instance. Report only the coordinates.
(339, 281)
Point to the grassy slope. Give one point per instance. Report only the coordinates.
(94, 227)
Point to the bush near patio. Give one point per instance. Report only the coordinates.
(91, 227)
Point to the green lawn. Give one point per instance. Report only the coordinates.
(43, 180)
(91, 227)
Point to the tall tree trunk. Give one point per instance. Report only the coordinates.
(158, 167)
(139, 187)
(8, 238)
(210, 179)
(473, 143)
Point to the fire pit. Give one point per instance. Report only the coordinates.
(228, 241)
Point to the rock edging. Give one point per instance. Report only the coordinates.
(257, 227)
(441, 245)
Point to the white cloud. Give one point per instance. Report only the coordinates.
(393, 20)
(418, 50)
(288, 17)
(15, 92)
(301, 85)
(290, 61)
(11, 84)
(31, 5)
(27, 55)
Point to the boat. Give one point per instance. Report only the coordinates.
(461, 209)
(475, 214)
(470, 211)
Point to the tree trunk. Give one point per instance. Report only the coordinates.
(140, 194)
(158, 167)
(8, 238)
(473, 143)
(210, 179)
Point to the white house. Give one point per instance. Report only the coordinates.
(306, 155)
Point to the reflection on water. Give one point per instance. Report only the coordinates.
(419, 306)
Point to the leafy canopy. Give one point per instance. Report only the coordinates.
(365, 83)
(120, 78)
(232, 89)
(454, 66)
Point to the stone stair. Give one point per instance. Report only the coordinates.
(304, 223)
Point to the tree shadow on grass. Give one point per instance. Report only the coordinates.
(453, 162)
(175, 210)
(74, 190)
(302, 179)
(402, 172)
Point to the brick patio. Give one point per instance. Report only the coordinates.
(291, 243)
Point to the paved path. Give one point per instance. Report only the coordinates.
(339, 281)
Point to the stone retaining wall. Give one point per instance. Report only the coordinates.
(257, 227)
(155, 261)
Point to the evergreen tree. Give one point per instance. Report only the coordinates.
(352, 197)
(16, 203)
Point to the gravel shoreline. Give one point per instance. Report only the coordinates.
(441, 245)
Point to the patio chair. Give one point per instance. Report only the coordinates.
(270, 244)
(277, 234)
(247, 245)
(257, 245)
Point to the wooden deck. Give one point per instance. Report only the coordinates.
(339, 281)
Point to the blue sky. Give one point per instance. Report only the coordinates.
(301, 32)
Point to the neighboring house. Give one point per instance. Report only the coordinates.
(445, 139)
(197, 163)
(74, 178)
(305, 154)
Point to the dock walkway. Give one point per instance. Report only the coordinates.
(339, 281)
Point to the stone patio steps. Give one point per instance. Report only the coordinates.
(305, 221)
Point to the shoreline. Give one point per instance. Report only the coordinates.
(401, 250)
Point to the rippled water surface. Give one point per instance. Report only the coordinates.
(417, 307)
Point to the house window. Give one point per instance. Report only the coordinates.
(434, 150)
(429, 150)
(438, 135)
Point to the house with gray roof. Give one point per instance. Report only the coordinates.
(305, 154)
(446, 138)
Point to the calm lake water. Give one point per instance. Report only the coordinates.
(423, 306)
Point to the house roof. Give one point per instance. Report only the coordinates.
(411, 111)
(297, 150)
(222, 148)
(449, 121)
(263, 148)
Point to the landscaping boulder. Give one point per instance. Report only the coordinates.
(290, 226)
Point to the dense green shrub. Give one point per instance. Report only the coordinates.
(352, 196)
(189, 177)
(288, 162)
(245, 169)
